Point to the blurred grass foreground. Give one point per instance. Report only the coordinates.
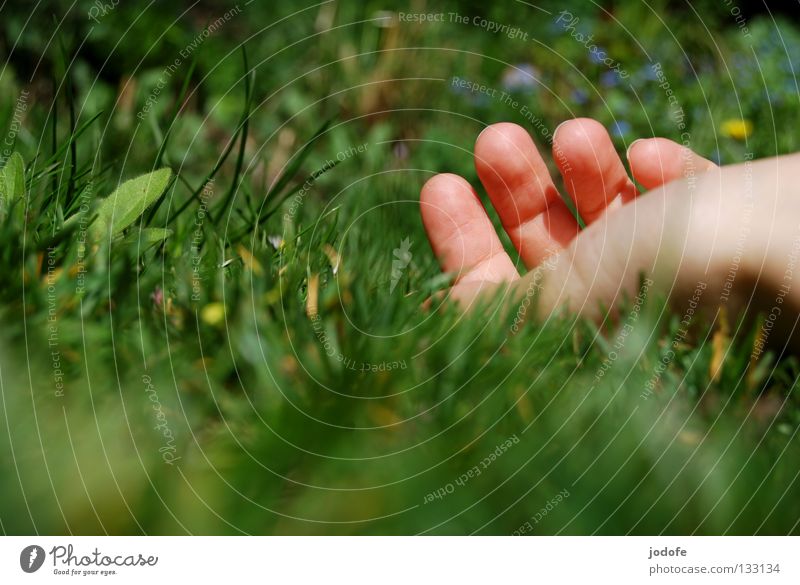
(212, 270)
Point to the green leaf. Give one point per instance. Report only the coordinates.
(147, 237)
(12, 187)
(131, 199)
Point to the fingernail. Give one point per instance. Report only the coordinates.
(555, 132)
(482, 133)
(628, 152)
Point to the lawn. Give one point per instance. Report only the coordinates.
(213, 276)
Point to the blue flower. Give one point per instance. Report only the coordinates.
(520, 77)
(609, 79)
(647, 72)
(620, 128)
(557, 26)
(595, 55)
(579, 96)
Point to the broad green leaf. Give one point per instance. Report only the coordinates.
(147, 237)
(12, 187)
(131, 199)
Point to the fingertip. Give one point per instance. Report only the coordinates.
(653, 164)
(579, 142)
(579, 128)
(649, 149)
(443, 181)
(632, 146)
(460, 233)
(656, 161)
(501, 145)
(446, 200)
(507, 131)
(443, 186)
(593, 173)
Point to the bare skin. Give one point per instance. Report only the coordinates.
(736, 229)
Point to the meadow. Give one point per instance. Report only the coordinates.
(214, 275)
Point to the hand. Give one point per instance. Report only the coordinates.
(732, 229)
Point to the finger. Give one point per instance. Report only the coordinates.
(537, 220)
(461, 234)
(657, 161)
(663, 237)
(593, 173)
(468, 295)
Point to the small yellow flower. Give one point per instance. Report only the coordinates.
(736, 129)
(249, 261)
(213, 314)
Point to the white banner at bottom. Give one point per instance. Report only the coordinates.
(400, 560)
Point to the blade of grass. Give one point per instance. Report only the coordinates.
(176, 112)
(54, 135)
(245, 126)
(285, 178)
(300, 157)
(59, 152)
(267, 214)
(51, 165)
(73, 145)
(195, 192)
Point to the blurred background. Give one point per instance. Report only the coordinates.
(223, 411)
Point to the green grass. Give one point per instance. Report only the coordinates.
(200, 396)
